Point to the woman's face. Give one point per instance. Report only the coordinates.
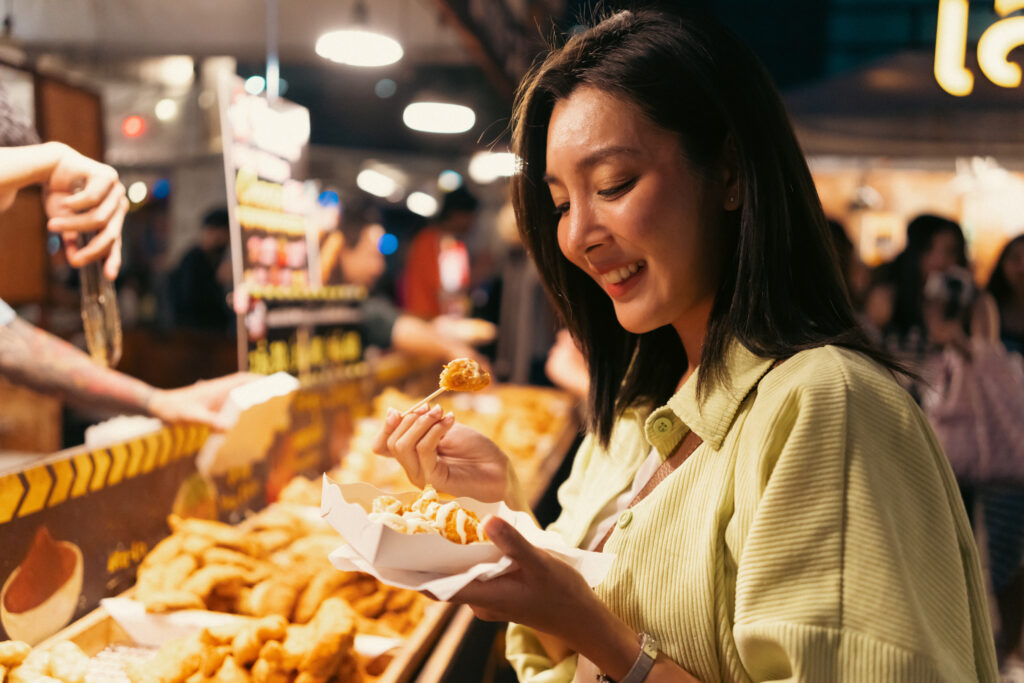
(943, 254)
(632, 213)
(1013, 267)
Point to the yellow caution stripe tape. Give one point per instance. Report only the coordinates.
(48, 485)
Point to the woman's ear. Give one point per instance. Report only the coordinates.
(732, 187)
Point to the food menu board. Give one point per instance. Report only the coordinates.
(288, 319)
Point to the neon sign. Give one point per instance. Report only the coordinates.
(994, 47)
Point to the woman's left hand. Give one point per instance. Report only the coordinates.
(541, 592)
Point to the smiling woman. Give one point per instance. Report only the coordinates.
(777, 505)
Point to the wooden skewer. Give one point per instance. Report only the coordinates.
(428, 399)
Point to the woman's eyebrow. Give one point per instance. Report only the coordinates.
(596, 157)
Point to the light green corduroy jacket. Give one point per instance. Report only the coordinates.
(816, 535)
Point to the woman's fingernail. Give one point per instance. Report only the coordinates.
(449, 418)
(436, 410)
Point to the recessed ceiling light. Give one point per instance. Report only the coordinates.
(376, 183)
(438, 117)
(166, 109)
(356, 47)
(422, 203)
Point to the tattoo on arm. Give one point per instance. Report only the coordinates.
(49, 364)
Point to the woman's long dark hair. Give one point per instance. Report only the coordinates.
(998, 286)
(907, 276)
(781, 290)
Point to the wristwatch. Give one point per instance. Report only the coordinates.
(642, 666)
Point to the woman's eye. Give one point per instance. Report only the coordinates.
(618, 189)
(561, 209)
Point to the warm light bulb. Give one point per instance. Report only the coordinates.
(438, 117)
(422, 204)
(375, 183)
(137, 192)
(166, 109)
(359, 48)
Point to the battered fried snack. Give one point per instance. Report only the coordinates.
(231, 672)
(68, 663)
(429, 515)
(464, 374)
(324, 584)
(271, 596)
(13, 653)
(176, 661)
(248, 643)
(221, 534)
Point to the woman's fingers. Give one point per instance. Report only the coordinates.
(512, 543)
(426, 448)
(391, 419)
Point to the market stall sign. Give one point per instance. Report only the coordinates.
(994, 47)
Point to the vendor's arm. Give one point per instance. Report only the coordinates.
(82, 195)
(49, 364)
(417, 336)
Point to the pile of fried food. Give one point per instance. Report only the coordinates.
(267, 650)
(272, 564)
(63, 663)
(429, 515)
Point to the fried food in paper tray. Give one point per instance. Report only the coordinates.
(429, 561)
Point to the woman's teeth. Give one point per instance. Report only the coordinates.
(614, 277)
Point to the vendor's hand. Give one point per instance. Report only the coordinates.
(541, 592)
(83, 195)
(200, 402)
(433, 449)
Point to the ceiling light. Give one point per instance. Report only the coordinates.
(133, 126)
(486, 167)
(137, 192)
(357, 47)
(422, 203)
(166, 109)
(449, 180)
(376, 183)
(254, 85)
(438, 117)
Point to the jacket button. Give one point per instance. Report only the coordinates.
(625, 517)
(662, 425)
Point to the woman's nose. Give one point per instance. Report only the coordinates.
(584, 229)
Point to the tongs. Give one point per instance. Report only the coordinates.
(101, 319)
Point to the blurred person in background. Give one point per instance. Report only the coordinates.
(1004, 509)
(437, 273)
(855, 273)
(359, 261)
(83, 195)
(526, 321)
(1006, 285)
(929, 294)
(199, 285)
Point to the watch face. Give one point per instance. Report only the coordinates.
(649, 645)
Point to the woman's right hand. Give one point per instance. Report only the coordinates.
(433, 449)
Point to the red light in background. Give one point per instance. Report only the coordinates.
(133, 126)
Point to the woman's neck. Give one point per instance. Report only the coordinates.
(692, 328)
